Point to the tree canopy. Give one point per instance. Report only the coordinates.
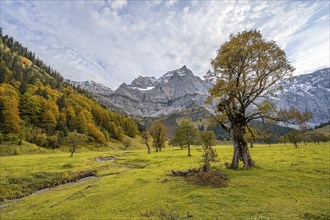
(186, 134)
(158, 132)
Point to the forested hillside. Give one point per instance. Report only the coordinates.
(37, 106)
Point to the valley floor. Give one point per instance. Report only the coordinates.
(287, 184)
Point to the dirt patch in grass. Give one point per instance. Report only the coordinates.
(105, 159)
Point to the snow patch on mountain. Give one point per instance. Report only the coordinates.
(309, 92)
(144, 89)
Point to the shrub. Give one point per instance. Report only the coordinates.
(127, 143)
(20, 141)
(68, 165)
(13, 138)
(41, 139)
(53, 141)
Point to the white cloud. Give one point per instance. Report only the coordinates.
(118, 4)
(114, 42)
(170, 3)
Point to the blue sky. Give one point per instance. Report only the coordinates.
(112, 42)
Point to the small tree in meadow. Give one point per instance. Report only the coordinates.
(177, 140)
(146, 138)
(251, 135)
(74, 139)
(283, 139)
(294, 137)
(158, 133)
(127, 143)
(186, 134)
(208, 140)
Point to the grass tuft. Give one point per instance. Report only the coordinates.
(68, 166)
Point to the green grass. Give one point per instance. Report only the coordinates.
(12, 148)
(9, 148)
(287, 184)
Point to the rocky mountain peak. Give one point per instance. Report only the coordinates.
(144, 82)
(183, 71)
(92, 86)
(148, 96)
(307, 92)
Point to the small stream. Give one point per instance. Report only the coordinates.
(50, 188)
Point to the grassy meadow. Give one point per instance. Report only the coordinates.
(287, 183)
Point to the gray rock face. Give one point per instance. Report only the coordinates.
(92, 86)
(144, 82)
(147, 96)
(309, 92)
(179, 89)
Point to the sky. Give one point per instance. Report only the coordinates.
(112, 42)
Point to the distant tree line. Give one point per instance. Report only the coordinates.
(297, 136)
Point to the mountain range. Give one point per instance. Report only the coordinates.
(181, 93)
(308, 92)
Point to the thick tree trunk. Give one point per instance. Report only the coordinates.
(189, 150)
(241, 150)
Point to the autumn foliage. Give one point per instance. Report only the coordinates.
(38, 106)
